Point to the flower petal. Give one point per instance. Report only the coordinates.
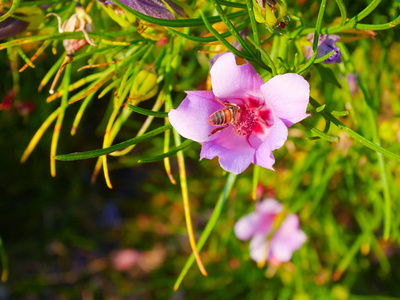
(259, 248)
(234, 152)
(288, 95)
(246, 226)
(264, 157)
(229, 80)
(287, 239)
(269, 206)
(275, 136)
(275, 140)
(190, 119)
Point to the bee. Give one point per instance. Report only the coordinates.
(229, 114)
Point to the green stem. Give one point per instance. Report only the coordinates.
(232, 4)
(223, 41)
(355, 135)
(208, 39)
(254, 27)
(14, 6)
(354, 22)
(265, 55)
(209, 227)
(316, 37)
(343, 12)
(116, 147)
(232, 28)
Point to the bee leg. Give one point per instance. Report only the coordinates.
(218, 129)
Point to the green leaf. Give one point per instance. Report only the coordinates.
(319, 133)
(355, 135)
(209, 39)
(146, 112)
(340, 113)
(223, 41)
(120, 146)
(327, 75)
(209, 227)
(323, 58)
(168, 154)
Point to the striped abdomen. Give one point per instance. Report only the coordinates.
(224, 116)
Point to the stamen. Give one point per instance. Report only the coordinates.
(246, 123)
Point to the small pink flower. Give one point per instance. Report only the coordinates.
(258, 226)
(266, 110)
(352, 83)
(124, 260)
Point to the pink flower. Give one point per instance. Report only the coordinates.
(261, 114)
(123, 260)
(258, 226)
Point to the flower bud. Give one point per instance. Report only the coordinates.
(269, 12)
(144, 86)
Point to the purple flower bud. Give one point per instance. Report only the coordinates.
(152, 8)
(10, 27)
(326, 43)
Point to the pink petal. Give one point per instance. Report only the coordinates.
(288, 95)
(275, 137)
(190, 119)
(246, 226)
(287, 239)
(259, 248)
(309, 52)
(269, 206)
(229, 80)
(234, 152)
(264, 157)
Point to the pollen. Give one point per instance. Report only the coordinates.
(246, 123)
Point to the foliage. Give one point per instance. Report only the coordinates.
(339, 170)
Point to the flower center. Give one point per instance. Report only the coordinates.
(246, 122)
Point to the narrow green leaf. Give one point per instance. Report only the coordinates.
(327, 75)
(232, 28)
(209, 39)
(321, 108)
(116, 147)
(317, 31)
(272, 67)
(172, 151)
(222, 40)
(13, 7)
(146, 112)
(232, 4)
(340, 113)
(209, 227)
(323, 58)
(354, 134)
(319, 133)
